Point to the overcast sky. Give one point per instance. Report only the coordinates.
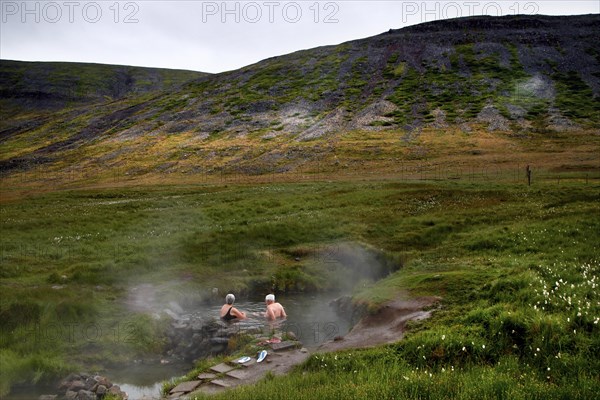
(215, 36)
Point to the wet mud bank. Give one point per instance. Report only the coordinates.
(386, 325)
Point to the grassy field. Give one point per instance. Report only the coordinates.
(516, 267)
(518, 274)
(427, 154)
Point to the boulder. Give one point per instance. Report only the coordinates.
(101, 390)
(65, 383)
(73, 377)
(84, 386)
(90, 383)
(103, 381)
(116, 391)
(76, 386)
(70, 395)
(48, 397)
(197, 326)
(86, 395)
(291, 335)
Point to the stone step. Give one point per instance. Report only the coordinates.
(221, 382)
(221, 368)
(287, 345)
(185, 387)
(205, 376)
(204, 390)
(239, 374)
(249, 363)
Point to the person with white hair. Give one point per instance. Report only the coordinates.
(274, 310)
(229, 312)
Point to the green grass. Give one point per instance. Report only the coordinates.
(383, 374)
(518, 319)
(276, 82)
(461, 88)
(494, 253)
(576, 100)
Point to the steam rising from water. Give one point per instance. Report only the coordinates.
(352, 263)
(344, 265)
(311, 316)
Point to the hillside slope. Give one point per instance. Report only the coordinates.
(477, 79)
(39, 89)
(58, 84)
(537, 72)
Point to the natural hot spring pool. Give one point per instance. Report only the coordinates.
(310, 316)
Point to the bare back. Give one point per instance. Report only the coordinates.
(274, 311)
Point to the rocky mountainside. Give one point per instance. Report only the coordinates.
(31, 86)
(515, 75)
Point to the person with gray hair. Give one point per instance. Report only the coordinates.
(229, 312)
(274, 310)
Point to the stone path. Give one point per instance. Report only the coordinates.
(280, 360)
